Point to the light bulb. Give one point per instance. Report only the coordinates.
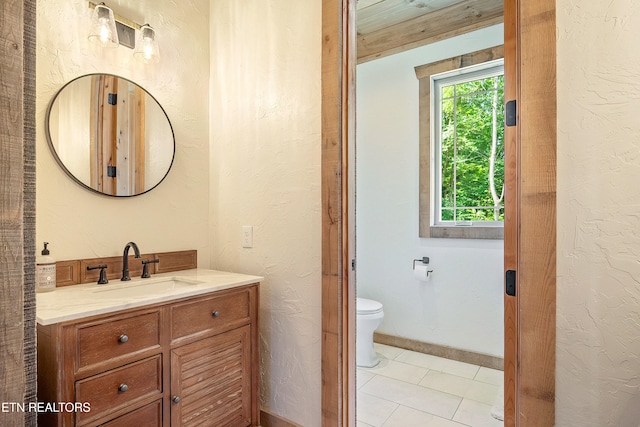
(104, 34)
(148, 52)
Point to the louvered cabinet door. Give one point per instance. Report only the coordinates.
(211, 381)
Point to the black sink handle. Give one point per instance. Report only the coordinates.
(145, 267)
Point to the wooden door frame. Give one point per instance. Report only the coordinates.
(530, 229)
(338, 227)
(17, 222)
(530, 237)
(511, 165)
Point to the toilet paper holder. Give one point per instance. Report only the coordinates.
(425, 261)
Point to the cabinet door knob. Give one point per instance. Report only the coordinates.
(123, 338)
(216, 313)
(175, 399)
(123, 387)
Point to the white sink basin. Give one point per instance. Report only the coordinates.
(145, 287)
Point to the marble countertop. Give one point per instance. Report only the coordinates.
(89, 299)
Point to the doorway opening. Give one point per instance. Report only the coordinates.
(446, 328)
(529, 316)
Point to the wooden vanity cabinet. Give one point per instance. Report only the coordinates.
(192, 361)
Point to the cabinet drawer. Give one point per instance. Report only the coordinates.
(110, 338)
(147, 416)
(119, 388)
(210, 314)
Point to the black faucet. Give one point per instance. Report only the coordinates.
(125, 259)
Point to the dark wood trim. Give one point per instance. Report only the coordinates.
(452, 353)
(460, 18)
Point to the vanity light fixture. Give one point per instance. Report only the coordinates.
(103, 26)
(146, 44)
(112, 30)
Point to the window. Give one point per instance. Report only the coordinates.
(468, 160)
(462, 146)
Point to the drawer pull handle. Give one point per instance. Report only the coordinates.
(123, 338)
(123, 387)
(175, 399)
(216, 313)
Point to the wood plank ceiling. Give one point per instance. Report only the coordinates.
(386, 27)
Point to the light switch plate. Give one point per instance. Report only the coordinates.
(247, 236)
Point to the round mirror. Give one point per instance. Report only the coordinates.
(110, 135)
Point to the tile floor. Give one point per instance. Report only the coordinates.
(414, 389)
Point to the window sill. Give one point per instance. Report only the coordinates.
(444, 232)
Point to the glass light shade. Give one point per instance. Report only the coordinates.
(103, 27)
(147, 44)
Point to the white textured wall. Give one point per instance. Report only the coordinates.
(265, 163)
(174, 216)
(598, 294)
(461, 306)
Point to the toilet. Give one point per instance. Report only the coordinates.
(369, 315)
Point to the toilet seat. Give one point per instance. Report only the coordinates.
(367, 306)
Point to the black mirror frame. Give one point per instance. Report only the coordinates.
(68, 172)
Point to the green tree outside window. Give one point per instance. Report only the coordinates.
(472, 150)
